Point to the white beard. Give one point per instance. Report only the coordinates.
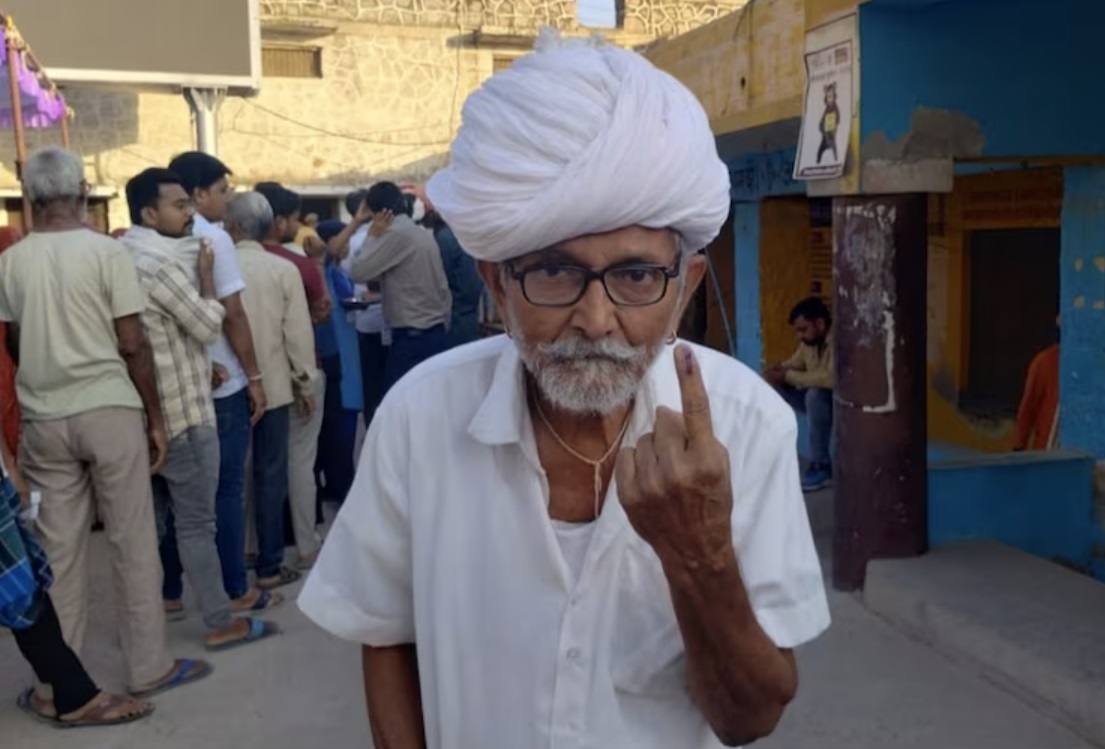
(587, 377)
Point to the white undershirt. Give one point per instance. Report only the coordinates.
(574, 540)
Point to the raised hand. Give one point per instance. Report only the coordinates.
(675, 485)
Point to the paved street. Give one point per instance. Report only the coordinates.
(864, 686)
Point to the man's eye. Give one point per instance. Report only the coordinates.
(548, 271)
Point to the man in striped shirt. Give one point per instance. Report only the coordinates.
(181, 322)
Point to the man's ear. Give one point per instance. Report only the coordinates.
(149, 216)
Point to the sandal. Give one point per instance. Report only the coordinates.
(259, 629)
(175, 613)
(185, 671)
(266, 600)
(98, 715)
(286, 577)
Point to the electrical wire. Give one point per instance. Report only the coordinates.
(721, 304)
(344, 136)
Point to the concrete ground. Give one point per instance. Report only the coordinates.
(865, 685)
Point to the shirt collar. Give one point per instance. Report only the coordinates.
(249, 244)
(503, 416)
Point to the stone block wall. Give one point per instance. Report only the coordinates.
(395, 75)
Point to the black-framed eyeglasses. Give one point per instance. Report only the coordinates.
(558, 284)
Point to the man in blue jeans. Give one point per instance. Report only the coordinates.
(806, 381)
(405, 259)
(239, 390)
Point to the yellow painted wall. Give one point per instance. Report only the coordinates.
(785, 271)
(819, 12)
(746, 68)
(999, 200)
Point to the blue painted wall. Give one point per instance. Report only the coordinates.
(761, 175)
(1039, 503)
(1024, 70)
(1082, 299)
(746, 232)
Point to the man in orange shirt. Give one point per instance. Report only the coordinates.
(1038, 415)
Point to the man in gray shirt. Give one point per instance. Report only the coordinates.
(405, 259)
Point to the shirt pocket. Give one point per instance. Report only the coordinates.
(647, 654)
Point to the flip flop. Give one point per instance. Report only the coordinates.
(175, 615)
(265, 601)
(183, 674)
(92, 719)
(259, 629)
(286, 577)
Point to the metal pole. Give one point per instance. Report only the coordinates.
(880, 268)
(17, 115)
(204, 103)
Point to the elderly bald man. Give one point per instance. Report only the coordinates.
(583, 533)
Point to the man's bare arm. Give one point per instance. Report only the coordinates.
(393, 697)
(736, 675)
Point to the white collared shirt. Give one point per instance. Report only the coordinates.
(445, 541)
(228, 281)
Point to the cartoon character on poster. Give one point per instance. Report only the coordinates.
(829, 125)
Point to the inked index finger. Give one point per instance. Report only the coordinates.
(696, 402)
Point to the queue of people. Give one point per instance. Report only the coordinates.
(223, 344)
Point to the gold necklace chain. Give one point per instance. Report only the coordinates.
(596, 465)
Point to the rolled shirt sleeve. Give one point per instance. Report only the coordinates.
(361, 586)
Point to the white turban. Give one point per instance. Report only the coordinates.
(580, 138)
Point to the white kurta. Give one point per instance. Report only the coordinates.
(445, 541)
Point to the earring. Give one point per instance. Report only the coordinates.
(672, 338)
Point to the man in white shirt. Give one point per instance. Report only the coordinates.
(240, 397)
(511, 587)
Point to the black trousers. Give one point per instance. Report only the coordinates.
(374, 356)
(53, 661)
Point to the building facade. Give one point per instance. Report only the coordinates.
(353, 91)
(969, 214)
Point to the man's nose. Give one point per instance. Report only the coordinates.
(594, 313)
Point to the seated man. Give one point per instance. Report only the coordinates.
(805, 380)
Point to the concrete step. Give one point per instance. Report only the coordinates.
(1035, 627)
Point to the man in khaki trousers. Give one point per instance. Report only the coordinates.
(85, 378)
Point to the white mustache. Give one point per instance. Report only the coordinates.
(576, 349)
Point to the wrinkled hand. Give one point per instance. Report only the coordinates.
(258, 402)
(159, 447)
(219, 376)
(205, 263)
(675, 485)
(307, 406)
(381, 222)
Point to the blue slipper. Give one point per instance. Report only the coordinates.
(259, 629)
(188, 671)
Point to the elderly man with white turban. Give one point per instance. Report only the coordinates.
(583, 533)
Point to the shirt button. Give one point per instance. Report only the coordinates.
(573, 654)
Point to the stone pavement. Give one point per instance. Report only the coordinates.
(865, 685)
